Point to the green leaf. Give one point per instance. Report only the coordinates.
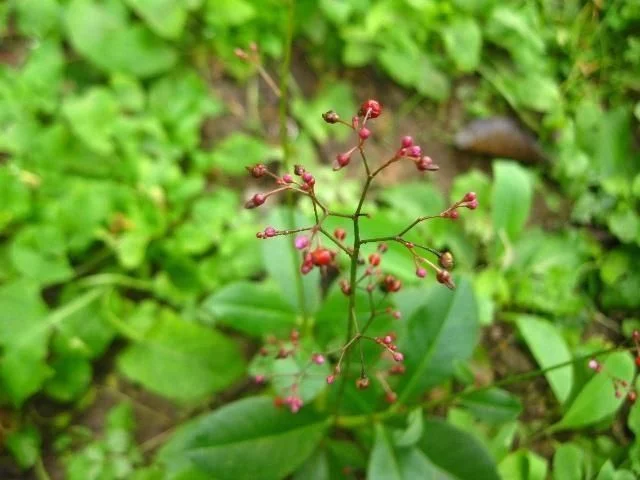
(71, 378)
(229, 13)
(455, 452)
(442, 332)
(624, 223)
(549, 348)
(523, 465)
(316, 467)
(181, 360)
(512, 197)
(383, 464)
(24, 445)
(568, 462)
(283, 262)
(247, 439)
(38, 18)
(413, 432)
(102, 33)
(597, 400)
(538, 92)
(92, 117)
(493, 405)
(165, 17)
(265, 313)
(23, 338)
(463, 41)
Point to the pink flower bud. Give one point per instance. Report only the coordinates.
(421, 272)
(269, 232)
(398, 357)
(364, 133)
(331, 379)
(318, 359)
(407, 141)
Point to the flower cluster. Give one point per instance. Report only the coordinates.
(320, 249)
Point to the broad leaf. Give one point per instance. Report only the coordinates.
(523, 465)
(512, 197)
(548, 348)
(463, 41)
(442, 332)
(165, 17)
(568, 462)
(247, 439)
(456, 453)
(252, 308)
(181, 360)
(383, 464)
(493, 406)
(597, 400)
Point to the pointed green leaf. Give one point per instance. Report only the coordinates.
(247, 439)
(548, 348)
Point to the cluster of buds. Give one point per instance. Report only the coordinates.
(320, 248)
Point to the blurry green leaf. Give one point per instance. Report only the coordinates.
(265, 313)
(247, 439)
(523, 465)
(456, 453)
(413, 432)
(38, 252)
(38, 17)
(493, 405)
(568, 462)
(128, 91)
(463, 41)
(597, 400)
(181, 360)
(316, 467)
(283, 262)
(71, 377)
(24, 445)
(442, 332)
(102, 33)
(229, 13)
(14, 198)
(92, 118)
(624, 223)
(549, 349)
(538, 93)
(165, 17)
(236, 152)
(613, 157)
(382, 461)
(512, 197)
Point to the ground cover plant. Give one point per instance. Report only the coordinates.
(260, 239)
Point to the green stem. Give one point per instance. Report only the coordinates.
(354, 421)
(116, 279)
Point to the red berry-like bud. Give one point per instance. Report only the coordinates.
(362, 383)
(444, 277)
(391, 397)
(270, 232)
(255, 201)
(321, 256)
(374, 259)
(330, 117)
(390, 284)
(452, 214)
(307, 177)
(632, 396)
(340, 233)
(397, 370)
(306, 268)
(397, 315)
(398, 357)
(595, 365)
(382, 247)
(259, 379)
(406, 142)
(258, 170)
(298, 169)
(317, 358)
(287, 178)
(387, 339)
(414, 151)
(301, 242)
(331, 379)
(472, 205)
(364, 133)
(638, 361)
(345, 287)
(421, 272)
(342, 160)
(425, 163)
(372, 108)
(446, 260)
(470, 197)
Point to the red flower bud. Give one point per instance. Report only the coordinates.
(371, 107)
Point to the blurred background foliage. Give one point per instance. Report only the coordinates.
(125, 127)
